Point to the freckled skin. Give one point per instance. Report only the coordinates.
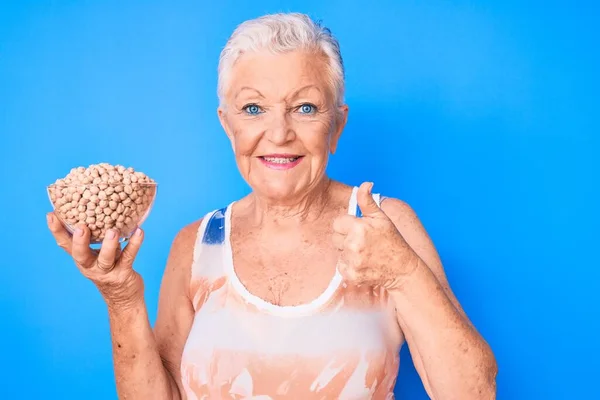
(348, 348)
(288, 236)
(287, 265)
(373, 252)
(283, 253)
(277, 85)
(284, 225)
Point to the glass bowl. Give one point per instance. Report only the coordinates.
(102, 206)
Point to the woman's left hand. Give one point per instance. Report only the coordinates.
(373, 252)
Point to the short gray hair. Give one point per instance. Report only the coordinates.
(280, 33)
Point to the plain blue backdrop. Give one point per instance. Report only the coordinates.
(481, 115)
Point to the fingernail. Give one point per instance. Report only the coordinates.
(110, 234)
(138, 232)
(79, 232)
(50, 218)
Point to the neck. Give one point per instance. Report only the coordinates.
(306, 207)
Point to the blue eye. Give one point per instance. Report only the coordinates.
(252, 109)
(307, 109)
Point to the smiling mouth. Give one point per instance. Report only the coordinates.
(279, 159)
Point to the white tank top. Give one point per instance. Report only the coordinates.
(343, 345)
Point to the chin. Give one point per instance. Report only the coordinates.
(280, 190)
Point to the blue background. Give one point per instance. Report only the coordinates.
(482, 115)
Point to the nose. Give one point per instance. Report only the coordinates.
(280, 130)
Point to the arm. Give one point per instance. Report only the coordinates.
(175, 309)
(139, 370)
(452, 359)
(137, 352)
(146, 362)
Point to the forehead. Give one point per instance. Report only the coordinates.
(278, 74)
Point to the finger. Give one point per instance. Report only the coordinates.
(341, 266)
(132, 248)
(365, 200)
(61, 235)
(81, 252)
(108, 251)
(345, 270)
(354, 244)
(344, 224)
(118, 252)
(338, 240)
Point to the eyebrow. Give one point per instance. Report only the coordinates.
(291, 96)
(303, 88)
(246, 88)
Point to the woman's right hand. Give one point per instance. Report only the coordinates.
(110, 269)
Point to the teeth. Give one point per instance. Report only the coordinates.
(280, 160)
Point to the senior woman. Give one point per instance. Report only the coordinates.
(306, 288)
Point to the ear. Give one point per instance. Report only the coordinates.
(223, 119)
(341, 119)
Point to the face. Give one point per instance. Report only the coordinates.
(280, 116)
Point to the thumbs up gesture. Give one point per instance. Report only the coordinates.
(372, 250)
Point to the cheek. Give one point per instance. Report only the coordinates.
(246, 137)
(315, 137)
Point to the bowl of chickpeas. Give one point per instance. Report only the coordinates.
(103, 196)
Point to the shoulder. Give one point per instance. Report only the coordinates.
(178, 269)
(181, 253)
(186, 237)
(411, 228)
(400, 212)
(184, 243)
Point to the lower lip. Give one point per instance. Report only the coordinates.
(283, 166)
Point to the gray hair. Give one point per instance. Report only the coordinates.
(280, 33)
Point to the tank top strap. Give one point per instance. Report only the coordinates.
(209, 244)
(354, 209)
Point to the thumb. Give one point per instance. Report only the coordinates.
(129, 253)
(365, 200)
